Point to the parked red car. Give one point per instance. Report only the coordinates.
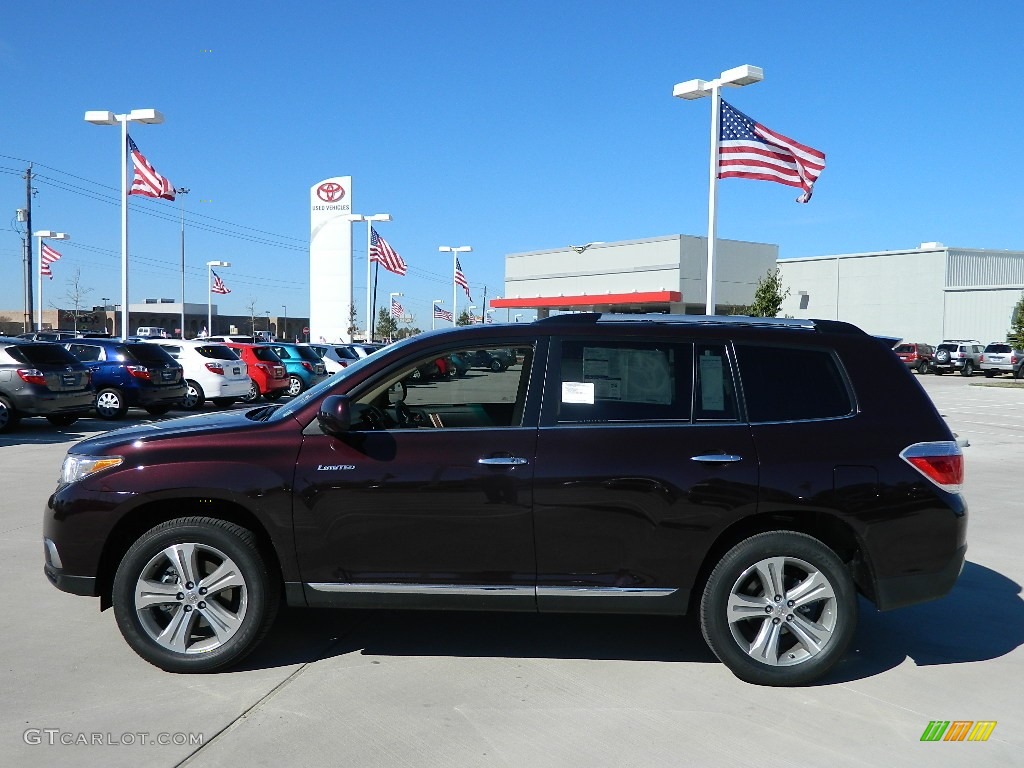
(266, 371)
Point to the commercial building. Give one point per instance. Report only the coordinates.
(657, 274)
(926, 294)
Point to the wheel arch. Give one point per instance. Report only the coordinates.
(143, 518)
(827, 528)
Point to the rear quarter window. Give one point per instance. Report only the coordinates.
(217, 352)
(149, 354)
(266, 354)
(792, 384)
(41, 354)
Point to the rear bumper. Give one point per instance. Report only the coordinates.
(51, 403)
(901, 591)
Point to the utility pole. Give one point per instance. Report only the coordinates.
(483, 309)
(27, 251)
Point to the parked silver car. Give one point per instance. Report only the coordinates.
(1000, 357)
(963, 355)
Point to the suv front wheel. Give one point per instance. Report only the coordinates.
(194, 595)
(779, 609)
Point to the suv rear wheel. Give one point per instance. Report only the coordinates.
(922, 367)
(194, 595)
(779, 609)
(968, 368)
(194, 396)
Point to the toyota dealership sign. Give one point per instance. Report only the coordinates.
(330, 259)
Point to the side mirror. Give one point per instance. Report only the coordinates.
(335, 415)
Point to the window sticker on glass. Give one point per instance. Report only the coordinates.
(634, 375)
(712, 380)
(578, 392)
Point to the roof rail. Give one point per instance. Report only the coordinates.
(580, 318)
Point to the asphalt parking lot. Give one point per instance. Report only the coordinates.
(448, 689)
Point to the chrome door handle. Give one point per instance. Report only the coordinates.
(502, 461)
(716, 458)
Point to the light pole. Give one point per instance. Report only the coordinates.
(433, 317)
(182, 191)
(285, 334)
(209, 292)
(49, 235)
(100, 117)
(518, 316)
(469, 311)
(454, 251)
(696, 89)
(488, 312)
(106, 304)
(269, 334)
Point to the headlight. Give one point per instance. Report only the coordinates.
(76, 467)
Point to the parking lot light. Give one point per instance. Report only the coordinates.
(744, 74)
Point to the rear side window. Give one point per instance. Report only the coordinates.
(41, 354)
(149, 354)
(266, 354)
(217, 352)
(346, 353)
(309, 355)
(791, 384)
(87, 353)
(625, 381)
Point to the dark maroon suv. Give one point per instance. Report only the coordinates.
(758, 472)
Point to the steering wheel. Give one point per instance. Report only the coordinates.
(404, 414)
(375, 417)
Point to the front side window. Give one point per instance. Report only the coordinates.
(791, 384)
(442, 392)
(631, 381)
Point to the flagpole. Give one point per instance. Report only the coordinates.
(39, 293)
(371, 299)
(125, 328)
(716, 117)
(455, 287)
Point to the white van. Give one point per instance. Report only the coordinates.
(152, 332)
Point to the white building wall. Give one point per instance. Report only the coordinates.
(897, 293)
(984, 315)
(670, 263)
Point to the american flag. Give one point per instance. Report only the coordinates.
(442, 314)
(147, 181)
(460, 279)
(397, 310)
(748, 150)
(383, 253)
(46, 257)
(218, 284)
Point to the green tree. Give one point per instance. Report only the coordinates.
(386, 325)
(464, 319)
(1016, 335)
(768, 296)
(353, 322)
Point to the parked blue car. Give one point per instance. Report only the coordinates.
(302, 364)
(127, 373)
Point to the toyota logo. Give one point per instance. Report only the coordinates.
(330, 192)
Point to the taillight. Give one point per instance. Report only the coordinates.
(1013, 359)
(981, 358)
(216, 368)
(32, 376)
(307, 366)
(279, 372)
(139, 372)
(263, 367)
(941, 462)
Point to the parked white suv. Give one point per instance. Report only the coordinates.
(963, 355)
(212, 371)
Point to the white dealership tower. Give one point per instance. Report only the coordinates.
(330, 259)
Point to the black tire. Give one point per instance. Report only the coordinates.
(110, 404)
(496, 366)
(295, 385)
(788, 659)
(968, 368)
(939, 371)
(63, 419)
(276, 394)
(157, 410)
(224, 402)
(194, 396)
(9, 417)
(249, 601)
(922, 367)
(253, 394)
(989, 374)
(1019, 372)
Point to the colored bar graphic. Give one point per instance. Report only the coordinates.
(958, 730)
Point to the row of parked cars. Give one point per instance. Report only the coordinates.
(67, 377)
(965, 356)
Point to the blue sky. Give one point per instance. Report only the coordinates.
(507, 126)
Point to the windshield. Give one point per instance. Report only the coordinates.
(296, 404)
